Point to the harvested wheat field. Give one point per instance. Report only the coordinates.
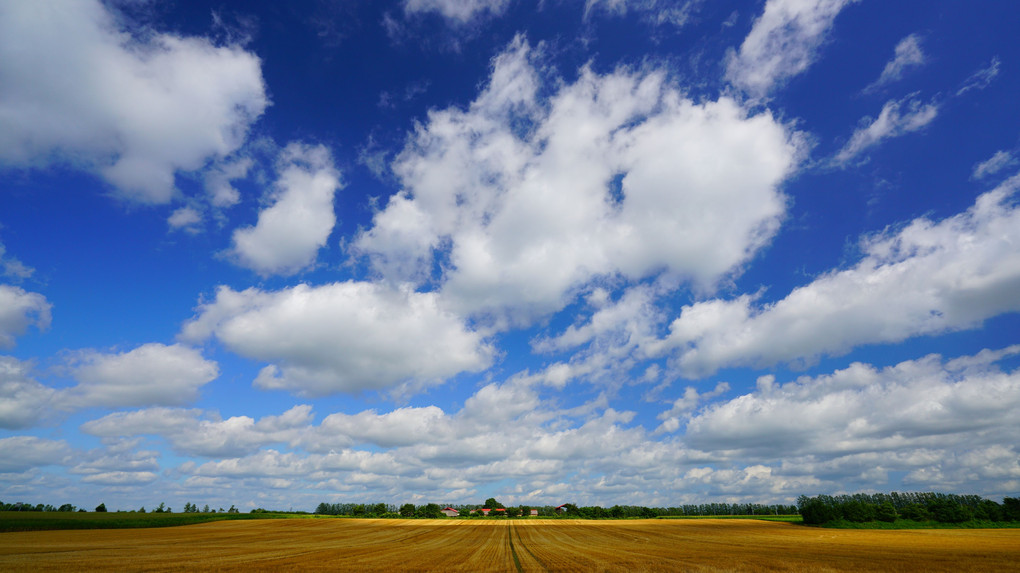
(509, 545)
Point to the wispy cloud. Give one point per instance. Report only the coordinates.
(980, 79)
(908, 54)
(895, 119)
(783, 42)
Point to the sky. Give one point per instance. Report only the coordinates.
(637, 252)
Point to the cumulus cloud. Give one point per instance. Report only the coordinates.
(915, 405)
(908, 54)
(198, 433)
(341, 337)
(218, 180)
(896, 118)
(290, 232)
(457, 11)
(186, 219)
(994, 164)
(782, 43)
(135, 108)
(152, 374)
(23, 400)
(524, 198)
(12, 268)
(925, 278)
(21, 453)
(20, 309)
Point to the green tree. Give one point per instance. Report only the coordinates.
(886, 512)
(101, 508)
(205, 508)
(491, 503)
(513, 512)
(407, 510)
(430, 511)
(914, 512)
(66, 507)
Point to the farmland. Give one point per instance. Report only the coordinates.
(508, 545)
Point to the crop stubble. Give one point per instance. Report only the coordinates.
(509, 545)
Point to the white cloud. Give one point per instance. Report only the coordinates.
(12, 268)
(612, 174)
(21, 453)
(341, 337)
(982, 78)
(290, 232)
(915, 405)
(20, 309)
(908, 54)
(23, 400)
(994, 164)
(655, 11)
(219, 177)
(925, 278)
(684, 406)
(76, 87)
(185, 218)
(197, 433)
(457, 11)
(891, 122)
(152, 374)
(782, 43)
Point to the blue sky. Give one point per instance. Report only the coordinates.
(602, 252)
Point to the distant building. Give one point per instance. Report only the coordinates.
(450, 512)
(534, 512)
(561, 508)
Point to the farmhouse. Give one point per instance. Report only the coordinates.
(534, 512)
(450, 512)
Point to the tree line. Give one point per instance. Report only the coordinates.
(432, 510)
(101, 508)
(919, 507)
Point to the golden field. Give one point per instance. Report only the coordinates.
(509, 545)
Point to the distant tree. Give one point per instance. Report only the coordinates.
(141, 509)
(815, 510)
(101, 508)
(858, 512)
(491, 503)
(948, 511)
(513, 512)
(233, 509)
(205, 508)
(915, 512)
(161, 509)
(407, 510)
(66, 507)
(429, 511)
(379, 509)
(1011, 508)
(886, 512)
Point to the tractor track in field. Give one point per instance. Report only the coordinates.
(524, 546)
